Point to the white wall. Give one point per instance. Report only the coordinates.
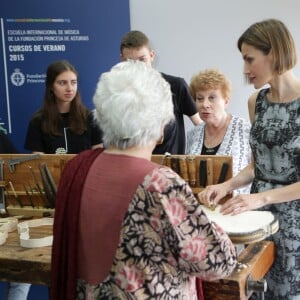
(191, 35)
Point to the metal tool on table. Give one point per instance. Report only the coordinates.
(15, 194)
(50, 179)
(32, 190)
(15, 161)
(40, 190)
(29, 196)
(48, 184)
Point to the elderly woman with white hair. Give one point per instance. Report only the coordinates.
(125, 227)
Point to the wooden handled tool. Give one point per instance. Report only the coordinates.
(175, 164)
(210, 171)
(223, 172)
(191, 163)
(203, 173)
(168, 162)
(183, 169)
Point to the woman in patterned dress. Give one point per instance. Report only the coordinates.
(220, 133)
(269, 54)
(125, 227)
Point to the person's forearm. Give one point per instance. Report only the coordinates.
(243, 178)
(284, 194)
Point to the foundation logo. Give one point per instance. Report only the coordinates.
(17, 78)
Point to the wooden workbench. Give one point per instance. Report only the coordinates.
(33, 265)
(30, 265)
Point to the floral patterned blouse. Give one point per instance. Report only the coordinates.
(166, 241)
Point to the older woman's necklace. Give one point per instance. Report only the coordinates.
(213, 138)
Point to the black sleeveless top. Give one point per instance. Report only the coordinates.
(209, 151)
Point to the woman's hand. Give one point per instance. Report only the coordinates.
(242, 203)
(212, 194)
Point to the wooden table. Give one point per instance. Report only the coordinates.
(33, 265)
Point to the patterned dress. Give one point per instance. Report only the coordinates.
(166, 240)
(275, 142)
(235, 144)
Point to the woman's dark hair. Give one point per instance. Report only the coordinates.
(51, 118)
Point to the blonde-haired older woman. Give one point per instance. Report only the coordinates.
(127, 228)
(220, 133)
